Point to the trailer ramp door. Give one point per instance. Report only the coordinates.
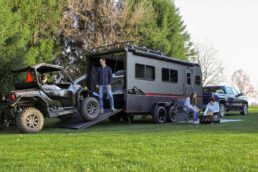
(78, 124)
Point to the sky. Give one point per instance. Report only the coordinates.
(230, 26)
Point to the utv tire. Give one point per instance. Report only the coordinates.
(160, 115)
(172, 114)
(30, 120)
(90, 109)
(244, 109)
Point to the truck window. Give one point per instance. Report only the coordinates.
(169, 75)
(144, 72)
(197, 80)
(188, 78)
(213, 90)
(229, 91)
(235, 92)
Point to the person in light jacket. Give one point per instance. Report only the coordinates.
(190, 107)
(212, 107)
(104, 79)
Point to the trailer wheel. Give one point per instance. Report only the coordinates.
(160, 115)
(90, 109)
(171, 114)
(30, 120)
(116, 118)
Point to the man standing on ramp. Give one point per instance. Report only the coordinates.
(104, 78)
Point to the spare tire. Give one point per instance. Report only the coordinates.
(90, 109)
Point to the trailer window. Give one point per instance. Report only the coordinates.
(169, 75)
(188, 77)
(197, 80)
(144, 72)
(173, 76)
(150, 73)
(165, 75)
(139, 71)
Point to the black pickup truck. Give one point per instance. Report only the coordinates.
(229, 99)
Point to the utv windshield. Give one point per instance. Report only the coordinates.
(24, 80)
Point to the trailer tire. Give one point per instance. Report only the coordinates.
(30, 120)
(171, 114)
(90, 109)
(160, 115)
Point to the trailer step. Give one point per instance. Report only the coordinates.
(78, 124)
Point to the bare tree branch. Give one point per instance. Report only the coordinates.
(211, 65)
(242, 81)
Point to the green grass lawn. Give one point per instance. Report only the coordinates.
(142, 146)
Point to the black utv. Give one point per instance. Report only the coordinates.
(45, 91)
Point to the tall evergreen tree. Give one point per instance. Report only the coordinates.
(164, 29)
(28, 31)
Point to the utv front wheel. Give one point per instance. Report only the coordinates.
(30, 120)
(90, 109)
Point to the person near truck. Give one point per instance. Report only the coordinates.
(190, 107)
(212, 107)
(104, 79)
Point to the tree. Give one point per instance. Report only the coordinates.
(212, 67)
(28, 31)
(242, 81)
(88, 24)
(164, 30)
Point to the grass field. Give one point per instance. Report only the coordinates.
(142, 146)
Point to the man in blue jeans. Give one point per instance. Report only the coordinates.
(104, 78)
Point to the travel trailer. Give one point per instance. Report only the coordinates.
(146, 81)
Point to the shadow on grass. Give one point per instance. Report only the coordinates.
(145, 126)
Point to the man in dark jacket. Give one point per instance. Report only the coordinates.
(104, 79)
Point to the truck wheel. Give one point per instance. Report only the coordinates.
(172, 114)
(30, 120)
(222, 110)
(244, 109)
(160, 115)
(116, 118)
(90, 109)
